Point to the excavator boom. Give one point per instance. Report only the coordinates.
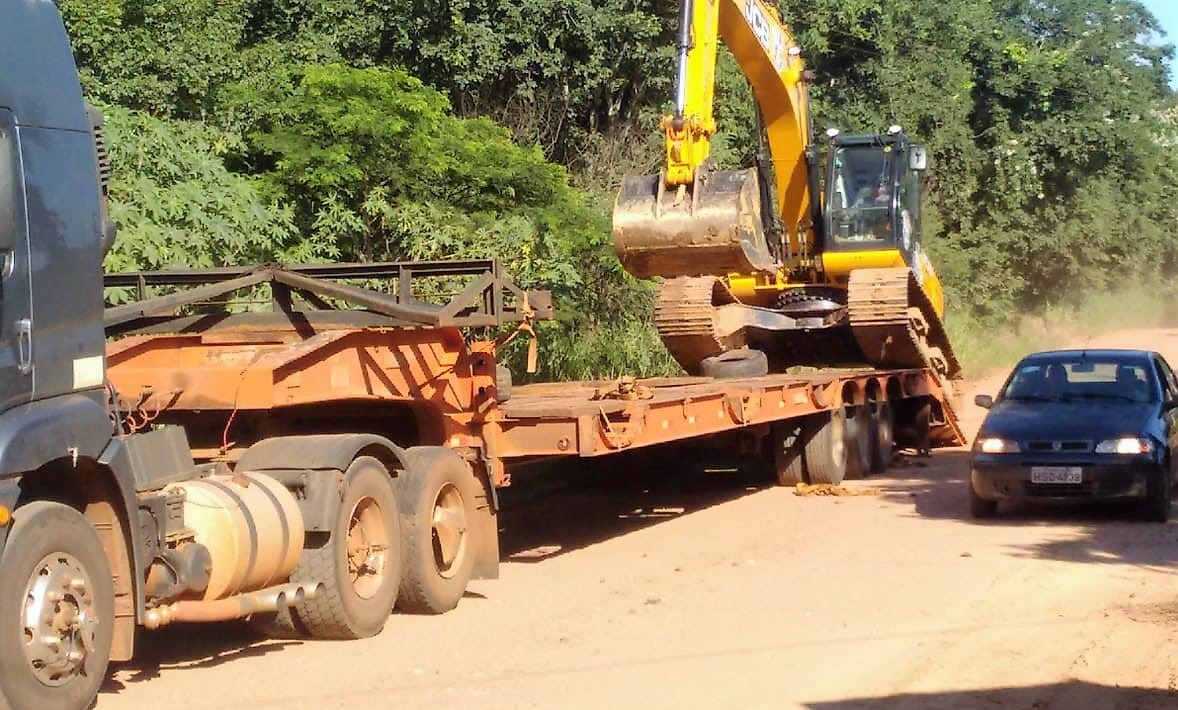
(691, 218)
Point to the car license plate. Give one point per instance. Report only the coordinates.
(1056, 474)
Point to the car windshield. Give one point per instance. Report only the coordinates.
(1085, 378)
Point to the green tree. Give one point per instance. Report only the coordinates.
(177, 205)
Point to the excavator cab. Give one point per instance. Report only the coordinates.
(872, 201)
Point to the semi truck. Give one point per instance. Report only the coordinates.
(306, 448)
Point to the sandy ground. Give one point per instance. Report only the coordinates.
(694, 588)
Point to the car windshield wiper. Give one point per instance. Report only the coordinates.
(1030, 398)
(1109, 395)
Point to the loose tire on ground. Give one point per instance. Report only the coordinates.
(437, 496)
(745, 362)
(883, 436)
(859, 440)
(787, 445)
(57, 584)
(360, 566)
(826, 451)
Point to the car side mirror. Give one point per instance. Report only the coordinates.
(984, 401)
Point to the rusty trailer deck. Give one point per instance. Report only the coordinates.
(401, 367)
(598, 418)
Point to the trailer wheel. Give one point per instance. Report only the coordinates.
(859, 440)
(745, 362)
(437, 496)
(360, 566)
(884, 439)
(826, 451)
(56, 609)
(786, 439)
(923, 426)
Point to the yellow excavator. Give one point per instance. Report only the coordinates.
(779, 265)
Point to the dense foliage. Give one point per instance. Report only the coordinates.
(248, 130)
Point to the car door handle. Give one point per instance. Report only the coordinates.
(24, 345)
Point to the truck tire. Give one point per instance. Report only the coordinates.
(57, 584)
(787, 443)
(437, 496)
(883, 436)
(859, 444)
(745, 362)
(360, 566)
(826, 451)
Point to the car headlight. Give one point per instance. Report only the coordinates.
(994, 445)
(1128, 445)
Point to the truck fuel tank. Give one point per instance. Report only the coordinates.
(252, 527)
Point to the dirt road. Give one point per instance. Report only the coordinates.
(690, 588)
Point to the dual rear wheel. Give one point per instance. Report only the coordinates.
(404, 541)
(826, 448)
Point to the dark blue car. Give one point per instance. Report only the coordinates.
(1079, 424)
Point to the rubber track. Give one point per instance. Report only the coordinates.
(878, 303)
(683, 316)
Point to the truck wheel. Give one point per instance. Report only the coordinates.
(826, 451)
(859, 444)
(56, 609)
(360, 566)
(745, 362)
(786, 439)
(883, 439)
(437, 496)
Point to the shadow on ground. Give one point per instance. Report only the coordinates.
(188, 646)
(569, 504)
(1090, 532)
(1056, 696)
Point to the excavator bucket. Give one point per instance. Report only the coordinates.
(712, 228)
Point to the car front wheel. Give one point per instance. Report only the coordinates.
(1158, 498)
(979, 507)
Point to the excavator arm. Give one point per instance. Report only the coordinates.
(692, 218)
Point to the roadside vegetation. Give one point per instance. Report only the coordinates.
(311, 130)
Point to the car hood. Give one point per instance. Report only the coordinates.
(1057, 421)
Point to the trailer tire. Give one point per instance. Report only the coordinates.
(923, 426)
(745, 362)
(826, 451)
(437, 496)
(49, 548)
(360, 566)
(788, 444)
(859, 440)
(883, 436)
